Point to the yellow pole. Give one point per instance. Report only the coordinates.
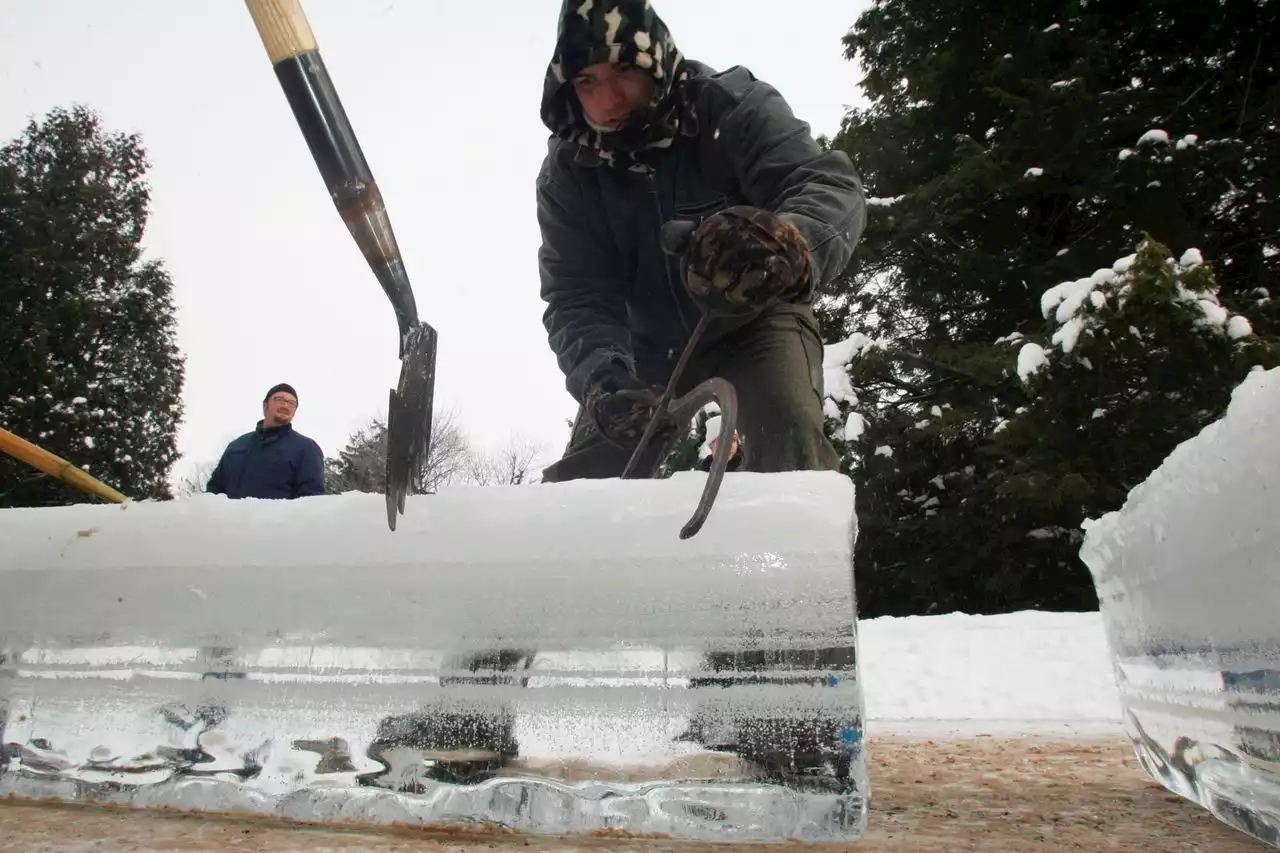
(43, 460)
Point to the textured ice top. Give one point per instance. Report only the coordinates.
(1191, 558)
(575, 565)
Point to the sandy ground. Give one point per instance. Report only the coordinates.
(988, 794)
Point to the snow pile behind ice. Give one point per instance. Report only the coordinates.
(1190, 559)
(1027, 672)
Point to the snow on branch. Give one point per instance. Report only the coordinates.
(1081, 307)
(837, 387)
(1155, 136)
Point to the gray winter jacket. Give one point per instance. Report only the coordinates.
(610, 291)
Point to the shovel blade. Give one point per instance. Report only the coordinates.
(409, 417)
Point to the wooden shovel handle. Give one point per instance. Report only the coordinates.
(283, 27)
(42, 460)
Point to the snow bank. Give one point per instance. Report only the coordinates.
(1020, 673)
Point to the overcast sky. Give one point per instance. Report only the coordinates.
(269, 286)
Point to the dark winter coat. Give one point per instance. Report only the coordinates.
(735, 462)
(611, 293)
(269, 463)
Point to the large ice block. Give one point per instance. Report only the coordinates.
(549, 658)
(1188, 574)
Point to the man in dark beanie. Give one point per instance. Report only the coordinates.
(641, 136)
(273, 461)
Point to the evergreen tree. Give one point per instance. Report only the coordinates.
(1010, 147)
(91, 366)
(361, 465)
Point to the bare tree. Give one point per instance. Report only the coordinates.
(194, 481)
(510, 465)
(362, 465)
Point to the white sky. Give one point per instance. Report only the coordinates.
(445, 104)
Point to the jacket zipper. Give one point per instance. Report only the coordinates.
(666, 262)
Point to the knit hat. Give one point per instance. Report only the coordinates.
(283, 386)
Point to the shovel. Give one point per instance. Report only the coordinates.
(301, 71)
(42, 460)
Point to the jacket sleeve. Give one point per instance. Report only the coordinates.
(217, 484)
(310, 471)
(583, 284)
(781, 168)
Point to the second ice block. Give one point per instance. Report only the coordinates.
(550, 659)
(1188, 576)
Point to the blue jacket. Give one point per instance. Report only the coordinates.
(269, 463)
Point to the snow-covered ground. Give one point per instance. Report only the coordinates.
(962, 675)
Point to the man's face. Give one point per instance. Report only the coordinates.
(279, 409)
(733, 447)
(609, 93)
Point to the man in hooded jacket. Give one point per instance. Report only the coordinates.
(640, 136)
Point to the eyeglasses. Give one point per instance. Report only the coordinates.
(288, 401)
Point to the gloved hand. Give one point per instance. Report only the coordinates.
(620, 404)
(744, 259)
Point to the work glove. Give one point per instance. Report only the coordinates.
(745, 259)
(619, 404)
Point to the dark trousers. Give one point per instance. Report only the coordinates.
(775, 364)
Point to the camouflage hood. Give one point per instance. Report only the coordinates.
(622, 31)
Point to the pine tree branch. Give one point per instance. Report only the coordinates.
(1248, 84)
(943, 368)
(907, 386)
(1185, 101)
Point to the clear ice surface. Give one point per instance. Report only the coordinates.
(1188, 574)
(550, 659)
